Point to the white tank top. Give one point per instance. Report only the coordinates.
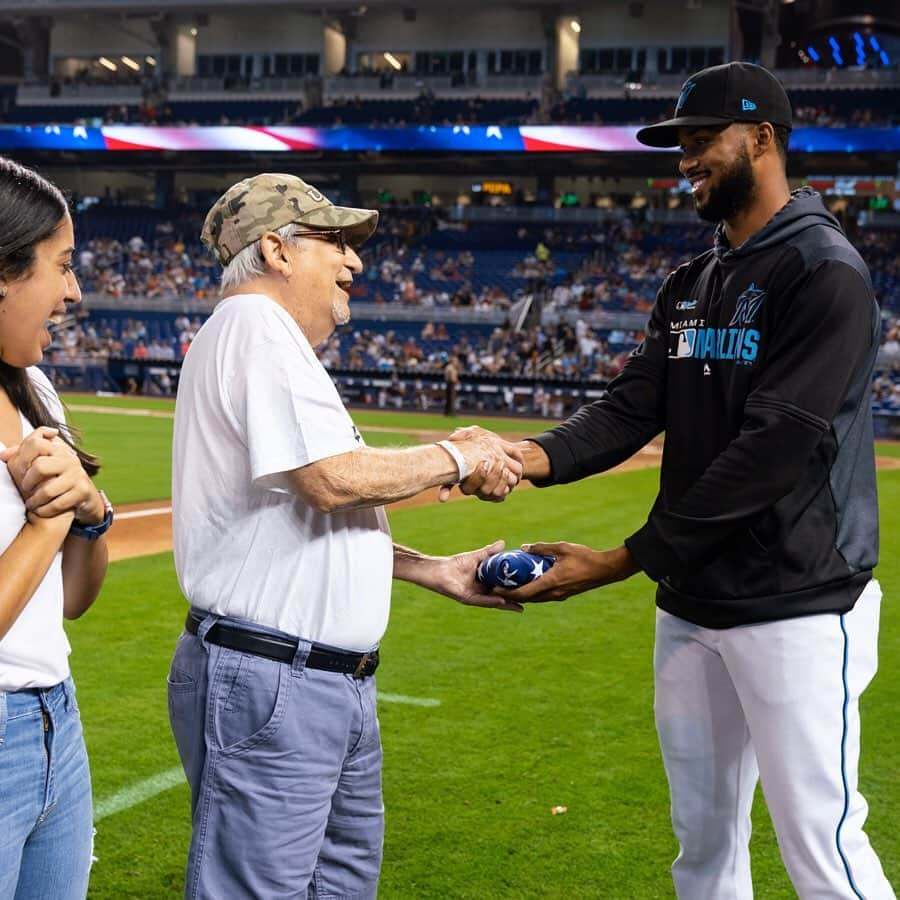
(34, 653)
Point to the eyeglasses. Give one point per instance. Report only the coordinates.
(332, 235)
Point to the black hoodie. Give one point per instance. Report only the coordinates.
(757, 364)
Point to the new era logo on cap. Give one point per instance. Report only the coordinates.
(747, 105)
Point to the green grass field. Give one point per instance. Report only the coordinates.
(552, 707)
(137, 458)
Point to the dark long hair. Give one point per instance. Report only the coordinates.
(31, 209)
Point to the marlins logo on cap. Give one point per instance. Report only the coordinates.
(720, 95)
(250, 208)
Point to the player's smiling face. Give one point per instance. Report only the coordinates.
(716, 162)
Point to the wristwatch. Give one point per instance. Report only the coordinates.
(92, 532)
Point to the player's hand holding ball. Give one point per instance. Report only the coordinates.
(541, 572)
(512, 568)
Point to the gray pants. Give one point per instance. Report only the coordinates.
(284, 765)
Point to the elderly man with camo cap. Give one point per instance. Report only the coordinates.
(284, 553)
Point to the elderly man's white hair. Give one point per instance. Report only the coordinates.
(249, 262)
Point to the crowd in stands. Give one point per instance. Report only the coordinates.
(167, 270)
(559, 351)
(833, 110)
(96, 338)
(826, 115)
(548, 353)
(431, 265)
(886, 387)
(886, 393)
(552, 351)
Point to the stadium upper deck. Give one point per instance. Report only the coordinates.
(384, 62)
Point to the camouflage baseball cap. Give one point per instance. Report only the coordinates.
(266, 202)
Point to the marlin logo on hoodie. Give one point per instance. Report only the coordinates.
(748, 305)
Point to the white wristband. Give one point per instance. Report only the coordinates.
(461, 468)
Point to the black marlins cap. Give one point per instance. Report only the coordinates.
(719, 95)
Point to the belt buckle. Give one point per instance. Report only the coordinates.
(363, 660)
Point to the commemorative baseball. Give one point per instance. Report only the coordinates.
(512, 568)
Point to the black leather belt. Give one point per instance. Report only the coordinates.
(282, 649)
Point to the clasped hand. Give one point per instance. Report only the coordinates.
(495, 465)
(50, 477)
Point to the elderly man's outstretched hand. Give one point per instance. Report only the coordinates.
(454, 576)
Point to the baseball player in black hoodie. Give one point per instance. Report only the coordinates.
(757, 364)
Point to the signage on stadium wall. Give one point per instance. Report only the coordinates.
(456, 138)
(853, 186)
(494, 188)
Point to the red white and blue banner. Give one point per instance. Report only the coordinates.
(423, 139)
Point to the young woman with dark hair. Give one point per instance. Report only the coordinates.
(52, 557)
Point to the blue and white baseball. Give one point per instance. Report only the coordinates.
(512, 568)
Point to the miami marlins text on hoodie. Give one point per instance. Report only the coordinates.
(757, 364)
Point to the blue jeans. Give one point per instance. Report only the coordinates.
(284, 765)
(45, 796)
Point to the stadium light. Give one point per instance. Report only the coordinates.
(131, 63)
(575, 25)
(393, 61)
(108, 64)
(836, 51)
(150, 60)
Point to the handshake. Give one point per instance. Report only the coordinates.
(492, 466)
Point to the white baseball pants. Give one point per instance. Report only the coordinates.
(777, 701)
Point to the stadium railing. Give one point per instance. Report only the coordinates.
(491, 394)
(77, 93)
(377, 312)
(669, 85)
(199, 88)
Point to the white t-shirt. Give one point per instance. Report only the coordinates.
(253, 403)
(34, 653)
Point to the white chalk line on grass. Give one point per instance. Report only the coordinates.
(141, 513)
(140, 791)
(407, 701)
(122, 411)
(166, 414)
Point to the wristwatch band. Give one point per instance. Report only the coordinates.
(92, 532)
